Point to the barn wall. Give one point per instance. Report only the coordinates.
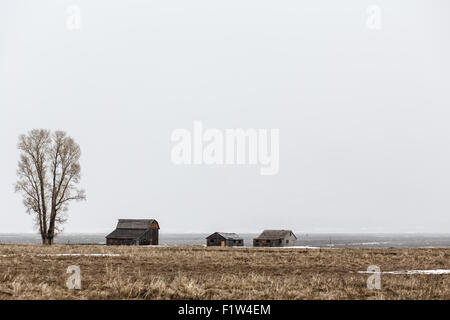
(268, 243)
(153, 236)
(120, 242)
(276, 242)
(231, 243)
(150, 237)
(214, 240)
(291, 241)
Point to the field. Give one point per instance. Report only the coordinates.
(39, 272)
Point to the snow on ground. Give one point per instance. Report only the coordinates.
(293, 247)
(78, 255)
(244, 247)
(66, 255)
(436, 271)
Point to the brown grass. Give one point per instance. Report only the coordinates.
(26, 272)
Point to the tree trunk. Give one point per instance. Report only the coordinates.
(51, 227)
(51, 233)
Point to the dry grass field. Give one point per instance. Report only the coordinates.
(39, 272)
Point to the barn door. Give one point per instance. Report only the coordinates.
(222, 244)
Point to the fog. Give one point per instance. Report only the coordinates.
(363, 114)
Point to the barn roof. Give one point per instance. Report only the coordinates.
(274, 234)
(230, 235)
(134, 223)
(126, 233)
(131, 228)
(227, 235)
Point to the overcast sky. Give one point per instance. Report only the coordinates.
(364, 115)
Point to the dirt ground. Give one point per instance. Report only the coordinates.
(107, 272)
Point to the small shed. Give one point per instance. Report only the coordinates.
(275, 238)
(224, 239)
(134, 232)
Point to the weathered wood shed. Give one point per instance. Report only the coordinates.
(224, 239)
(134, 232)
(275, 238)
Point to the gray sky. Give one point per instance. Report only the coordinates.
(363, 114)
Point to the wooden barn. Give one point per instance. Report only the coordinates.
(134, 232)
(224, 239)
(275, 238)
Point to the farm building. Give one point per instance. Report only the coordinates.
(134, 232)
(224, 239)
(275, 238)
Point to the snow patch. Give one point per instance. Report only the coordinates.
(298, 247)
(428, 272)
(78, 255)
(65, 255)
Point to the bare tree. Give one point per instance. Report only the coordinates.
(48, 173)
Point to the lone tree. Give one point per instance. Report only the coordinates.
(48, 173)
